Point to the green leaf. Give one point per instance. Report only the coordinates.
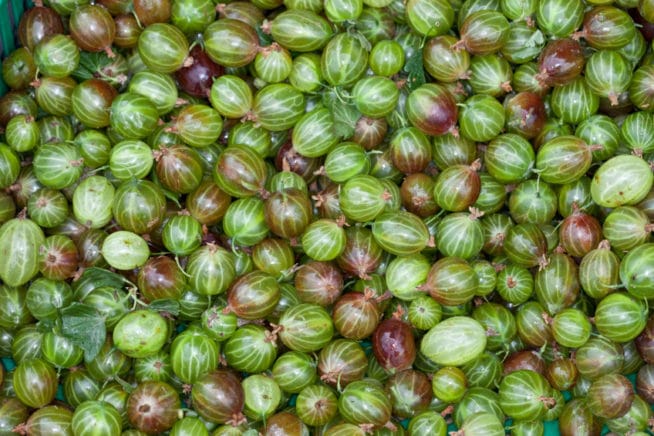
(365, 43)
(345, 119)
(344, 113)
(536, 39)
(170, 195)
(416, 71)
(45, 325)
(90, 64)
(84, 327)
(265, 39)
(165, 305)
(102, 277)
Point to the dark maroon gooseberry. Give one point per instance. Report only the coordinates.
(93, 28)
(218, 397)
(580, 233)
(197, 78)
(153, 407)
(394, 345)
(525, 359)
(560, 61)
(38, 23)
(525, 114)
(645, 27)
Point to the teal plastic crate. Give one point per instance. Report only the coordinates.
(10, 13)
